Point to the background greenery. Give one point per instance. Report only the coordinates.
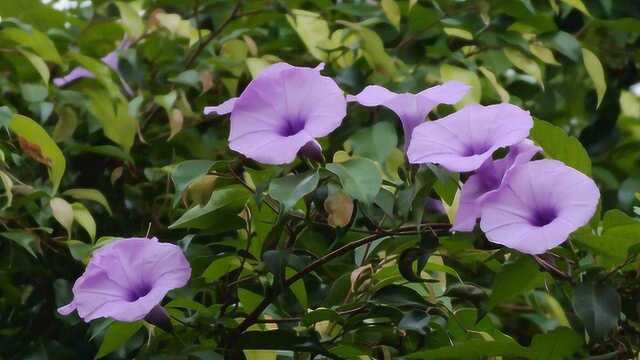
(91, 161)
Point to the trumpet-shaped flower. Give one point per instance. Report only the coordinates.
(487, 181)
(542, 203)
(412, 109)
(465, 139)
(282, 112)
(126, 280)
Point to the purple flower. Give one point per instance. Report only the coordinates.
(412, 109)
(283, 111)
(487, 181)
(126, 280)
(111, 60)
(542, 203)
(465, 139)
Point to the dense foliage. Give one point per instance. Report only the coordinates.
(350, 256)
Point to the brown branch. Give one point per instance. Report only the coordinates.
(203, 44)
(551, 268)
(253, 316)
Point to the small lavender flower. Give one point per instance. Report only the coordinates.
(412, 109)
(282, 112)
(490, 178)
(127, 279)
(111, 60)
(465, 139)
(543, 202)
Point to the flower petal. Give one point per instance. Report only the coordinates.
(222, 109)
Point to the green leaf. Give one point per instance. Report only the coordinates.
(313, 31)
(36, 41)
(39, 64)
(558, 344)
(373, 49)
(166, 101)
(33, 93)
(578, 4)
(116, 336)
(220, 267)
(249, 299)
(475, 349)
(522, 62)
(502, 93)
(360, 178)
(567, 45)
(131, 20)
(25, 240)
(117, 123)
(102, 73)
(515, 278)
(89, 194)
(84, 218)
(398, 295)
(391, 11)
(597, 304)
(375, 142)
(79, 250)
(297, 288)
(619, 233)
(450, 72)
(225, 201)
(187, 172)
(596, 72)
(39, 141)
(560, 146)
(290, 189)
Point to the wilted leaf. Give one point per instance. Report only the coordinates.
(339, 206)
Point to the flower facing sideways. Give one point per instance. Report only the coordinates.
(465, 139)
(126, 280)
(542, 203)
(412, 109)
(282, 112)
(490, 178)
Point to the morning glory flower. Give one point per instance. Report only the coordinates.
(542, 203)
(412, 109)
(465, 139)
(282, 112)
(488, 180)
(127, 279)
(111, 60)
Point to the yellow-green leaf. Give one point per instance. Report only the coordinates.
(522, 62)
(298, 289)
(38, 139)
(116, 122)
(459, 33)
(89, 194)
(38, 63)
(543, 53)
(373, 49)
(83, 217)
(62, 212)
(8, 188)
(596, 72)
(313, 31)
(578, 5)
(66, 125)
(256, 65)
(176, 121)
(36, 40)
(131, 20)
(450, 72)
(391, 11)
(504, 95)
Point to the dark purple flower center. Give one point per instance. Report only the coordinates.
(138, 292)
(291, 126)
(543, 216)
(476, 149)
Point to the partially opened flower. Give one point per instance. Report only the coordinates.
(487, 180)
(111, 60)
(465, 139)
(412, 109)
(283, 111)
(542, 203)
(126, 279)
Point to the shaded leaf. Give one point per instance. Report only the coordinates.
(597, 304)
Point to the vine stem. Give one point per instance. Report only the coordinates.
(253, 316)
